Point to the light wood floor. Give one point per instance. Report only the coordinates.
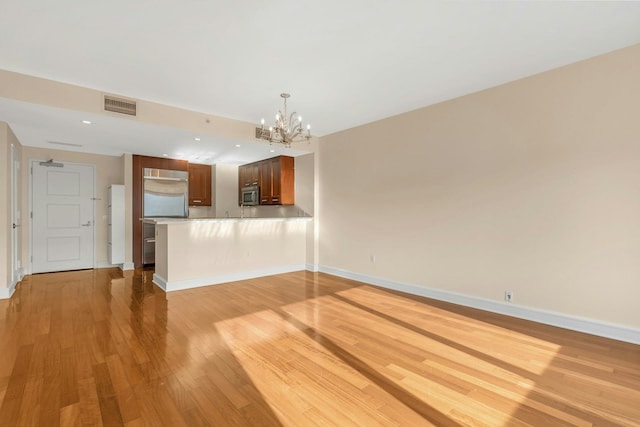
(299, 349)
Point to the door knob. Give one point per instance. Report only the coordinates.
(88, 224)
(15, 225)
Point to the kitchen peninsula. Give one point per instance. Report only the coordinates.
(194, 252)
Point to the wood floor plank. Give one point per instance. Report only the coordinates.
(103, 348)
(70, 416)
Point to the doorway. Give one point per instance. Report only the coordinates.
(63, 223)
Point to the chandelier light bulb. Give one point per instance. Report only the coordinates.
(262, 121)
(300, 119)
(308, 127)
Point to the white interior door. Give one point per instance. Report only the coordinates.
(63, 216)
(16, 270)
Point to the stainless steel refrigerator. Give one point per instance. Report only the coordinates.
(165, 195)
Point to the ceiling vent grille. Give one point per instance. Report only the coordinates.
(119, 105)
(262, 133)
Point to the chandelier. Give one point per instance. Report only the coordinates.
(285, 130)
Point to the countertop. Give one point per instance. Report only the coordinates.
(230, 219)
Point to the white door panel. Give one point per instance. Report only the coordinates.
(63, 217)
(62, 183)
(63, 249)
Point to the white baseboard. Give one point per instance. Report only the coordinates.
(105, 265)
(312, 267)
(5, 293)
(123, 267)
(159, 282)
(178, 285)
(575, 323)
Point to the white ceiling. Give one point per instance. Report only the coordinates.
(345, 63)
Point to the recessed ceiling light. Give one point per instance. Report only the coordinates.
(86, 122)
(197, 139)
(165, 155)
(179, 154)
(237, 145)
(272, 151)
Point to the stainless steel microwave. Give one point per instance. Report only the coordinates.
(250, 196)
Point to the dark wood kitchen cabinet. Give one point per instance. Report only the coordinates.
(264, 181)
(199, 185)
(248, 175)
(282, 190)
(275, 177)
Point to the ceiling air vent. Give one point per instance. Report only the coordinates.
(262, 133)
(119, 105)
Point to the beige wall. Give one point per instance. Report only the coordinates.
(226, 191)
(109, 170)
(306, 191)
(304, 182)
(532, 186)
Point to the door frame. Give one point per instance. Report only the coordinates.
(17, 270)
(31, 163)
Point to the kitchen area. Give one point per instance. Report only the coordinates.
(198, 225)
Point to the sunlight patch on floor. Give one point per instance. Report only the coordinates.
(299, 378)
(332, 350)
(475, 334)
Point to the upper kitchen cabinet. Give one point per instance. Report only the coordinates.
(282, 191)
(248, 175)
(199, 185)
(265, 180)
(275, 177)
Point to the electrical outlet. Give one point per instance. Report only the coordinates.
(372, 258)
(508, 296)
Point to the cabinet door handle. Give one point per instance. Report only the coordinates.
(197, 201)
